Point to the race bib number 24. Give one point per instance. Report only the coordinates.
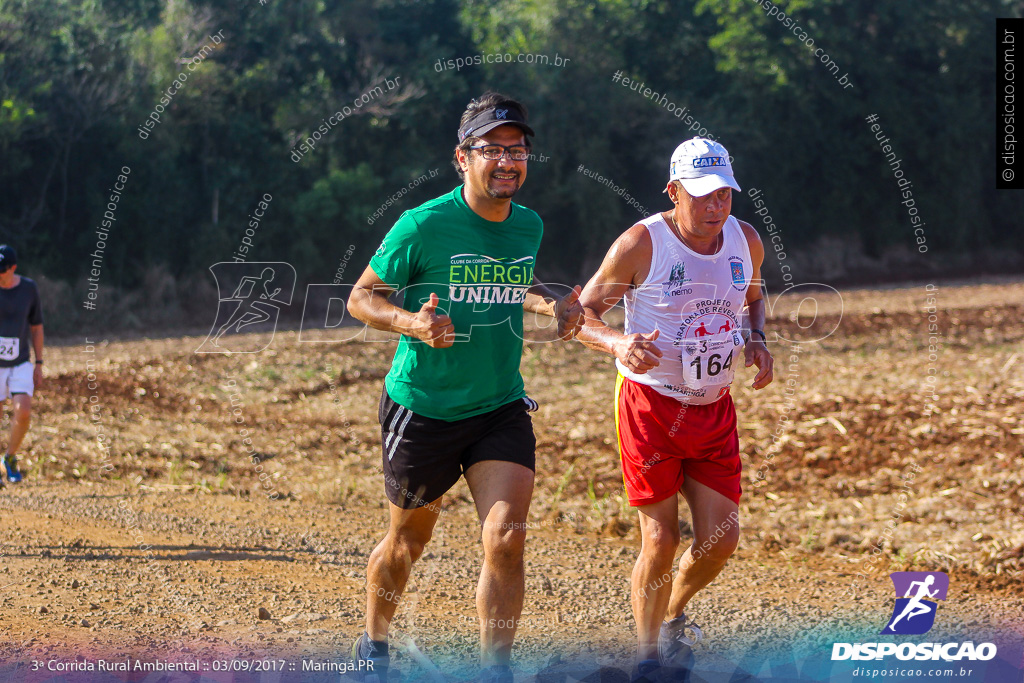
(10, 347)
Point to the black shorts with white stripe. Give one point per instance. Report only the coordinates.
(423, 457)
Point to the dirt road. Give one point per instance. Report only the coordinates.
(143, 528)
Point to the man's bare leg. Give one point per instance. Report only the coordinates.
(502, 492)
(652, 574)
(716, 531)
(20, 420)
(391, 563)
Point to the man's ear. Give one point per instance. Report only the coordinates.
(463, 157)
(673, 192)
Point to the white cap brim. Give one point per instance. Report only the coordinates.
(698, 187)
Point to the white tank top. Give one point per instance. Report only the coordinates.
(697, 303)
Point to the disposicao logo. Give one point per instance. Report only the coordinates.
(917, 594)
(914, 613)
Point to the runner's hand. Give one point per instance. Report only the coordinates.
(37, 376)
(569, 313)
(756, 353)
(436, 330)
(638, 352)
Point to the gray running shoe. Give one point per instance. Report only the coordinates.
(674, 645)
(371, 662)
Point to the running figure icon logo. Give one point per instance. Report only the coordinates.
(258, 290)
(916, 596)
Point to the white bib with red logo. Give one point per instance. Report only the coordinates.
(697, 302)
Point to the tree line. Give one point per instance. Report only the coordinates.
(332, 109)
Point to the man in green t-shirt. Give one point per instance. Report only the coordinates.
(453, 403)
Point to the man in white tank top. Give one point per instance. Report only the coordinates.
(691, 281)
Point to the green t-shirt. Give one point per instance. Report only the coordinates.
(480, 271)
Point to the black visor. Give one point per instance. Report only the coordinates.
(489, 119)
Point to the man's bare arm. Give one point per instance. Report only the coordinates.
(756, 351)
(626, 264)
(36, 331)
(755, 314)
(540, 299)
(566, 309)
(369, 304)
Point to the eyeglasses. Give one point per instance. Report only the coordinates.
(495, 152)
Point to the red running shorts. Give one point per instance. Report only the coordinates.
(663, 441)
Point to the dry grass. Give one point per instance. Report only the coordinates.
(859, 418)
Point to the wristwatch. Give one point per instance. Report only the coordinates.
(764, 337)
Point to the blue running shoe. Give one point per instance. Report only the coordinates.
(372, 660)
(499, 673)
(11, 465)
(646, 671)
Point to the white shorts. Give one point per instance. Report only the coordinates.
(16, 380)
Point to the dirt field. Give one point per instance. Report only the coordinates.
(171, 543)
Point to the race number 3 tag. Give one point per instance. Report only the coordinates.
(709, 361)
(10, 347)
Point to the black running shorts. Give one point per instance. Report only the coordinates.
(423, 457)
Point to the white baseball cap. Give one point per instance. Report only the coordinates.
(702, 166)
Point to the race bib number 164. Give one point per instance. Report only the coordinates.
(709, 361)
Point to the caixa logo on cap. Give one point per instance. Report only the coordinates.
(917, 596)
(698, 162)
(704, 162)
